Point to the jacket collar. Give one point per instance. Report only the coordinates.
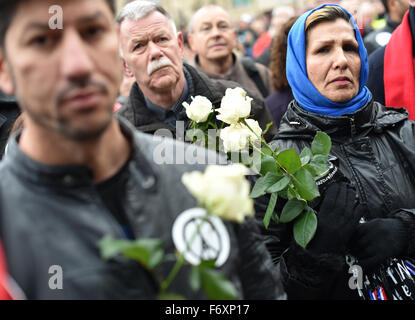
(227, 75)
(392, 24)
(299, 123)
(73, 176)
(146, 120)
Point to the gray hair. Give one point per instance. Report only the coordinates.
(139, 9)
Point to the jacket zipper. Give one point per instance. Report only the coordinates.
(356, 178)
(353, 127)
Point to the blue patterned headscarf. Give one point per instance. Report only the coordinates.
(304, 91)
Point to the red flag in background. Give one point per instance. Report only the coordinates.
(4, 286)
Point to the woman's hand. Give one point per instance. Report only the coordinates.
(338, 217)
(379, 239)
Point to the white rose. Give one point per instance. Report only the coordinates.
(199, 109)
(257, 131)
(235, 105)
(222, 190)
(236, 137)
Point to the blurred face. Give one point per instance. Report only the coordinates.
(152, 52)
(333, 61)
(66, 79)
(213, 37)
(278, 21)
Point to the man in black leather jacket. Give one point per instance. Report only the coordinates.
(76, 173)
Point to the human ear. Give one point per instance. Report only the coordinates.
(6, 80)
(127, 70)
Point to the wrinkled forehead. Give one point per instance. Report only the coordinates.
(331, 30)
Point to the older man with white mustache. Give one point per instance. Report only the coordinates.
(152, 51)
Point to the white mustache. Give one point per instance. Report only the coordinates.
(157, 64)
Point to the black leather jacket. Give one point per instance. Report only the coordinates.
(375, 148)
(53, 215)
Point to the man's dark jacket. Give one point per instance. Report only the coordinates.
(375, 81)
(9, 111)
(375, 148)
(144, 120)
(53, 216)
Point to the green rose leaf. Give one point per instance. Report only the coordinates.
(321, 159)
(280, 185)
(156, 257)
(148, 252)
(306, 156)
(195, 281)
(266, 151)
(305, 227)
(270, 210)
(305, 185)
(291, 210)
(216, 286)
(263, 183)
(290, 160)
(268, 164)
(110, 247)
(318, 166)
(291, 193)
(208, 263)
(310, 168)
(321, 144)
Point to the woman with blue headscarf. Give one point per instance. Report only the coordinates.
(366, 209)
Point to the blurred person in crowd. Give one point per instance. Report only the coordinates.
(213, 39)
(390, 79)
(259, 26)
(76, 173)
(278, 102)
(396, 10)
(364, 209)
(280, 15)
(9, 111)
(125, 87)
(245, 35)
(362, 12)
